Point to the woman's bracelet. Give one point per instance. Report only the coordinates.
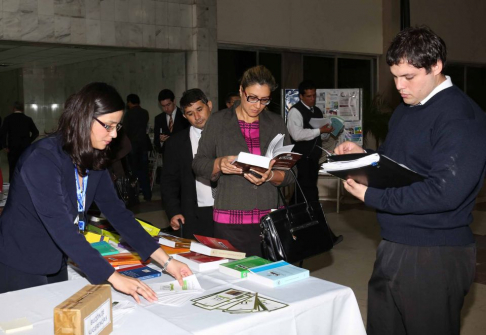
(266, 181)
(166, 264)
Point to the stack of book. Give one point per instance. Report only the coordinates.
(216, 247)
(240, 268)
(277, 274)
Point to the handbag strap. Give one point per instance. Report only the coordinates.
(309, 207)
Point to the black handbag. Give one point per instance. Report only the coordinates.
(296, 232)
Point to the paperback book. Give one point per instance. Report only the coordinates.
(174, 241)
(200, 262)
(141, 273)
(277, 274)
(216, 247)
(239, 268)
(335, 122)
(104, 248)
(285, 159)
(123, 259)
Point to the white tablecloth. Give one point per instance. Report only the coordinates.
(315, 307)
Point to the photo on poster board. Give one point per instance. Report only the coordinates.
(291, 98)
(344, 103)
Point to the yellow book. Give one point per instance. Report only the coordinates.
(93, 237)
(111, 235)
(153, 231)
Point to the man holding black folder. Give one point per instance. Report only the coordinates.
(426, 261)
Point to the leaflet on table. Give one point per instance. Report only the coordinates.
(173, 294)
(236, 301)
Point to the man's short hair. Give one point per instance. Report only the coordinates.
(134, 99)
(191, 96)
(306, 85)
(18, 106)
(419, 46)
(230, 95)
(166, 94)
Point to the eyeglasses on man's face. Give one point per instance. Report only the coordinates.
(253, 99)
(109, 128)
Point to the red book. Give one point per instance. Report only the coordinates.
(200, 262)
(216, 247)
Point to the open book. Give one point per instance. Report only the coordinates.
(335, 121)
(285, 158)
(371, 169)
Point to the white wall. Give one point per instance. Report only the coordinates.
(144, 74)
(348, 26)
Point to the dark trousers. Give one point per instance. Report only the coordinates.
(244, 237)
(138, 160)
(200, 224)
(307, 173)
(12, 279)
(13, 158)
(419, 290)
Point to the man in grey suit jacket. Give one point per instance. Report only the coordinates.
(188, 199)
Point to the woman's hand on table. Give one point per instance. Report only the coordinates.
(226, 167)
(178, 270)
(132, 286)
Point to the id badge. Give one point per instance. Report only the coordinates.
(81, 222)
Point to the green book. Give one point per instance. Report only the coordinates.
(104, 248)
(239, 268)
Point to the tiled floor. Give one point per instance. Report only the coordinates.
(351, 262)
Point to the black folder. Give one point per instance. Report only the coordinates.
(371, 169)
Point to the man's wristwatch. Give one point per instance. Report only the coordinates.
(164, 267)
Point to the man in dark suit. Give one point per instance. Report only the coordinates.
(135, 125)
(170, 121)
(17, 133)
(188, 199)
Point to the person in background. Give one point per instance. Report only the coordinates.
(170, 121)
(307, 140)
(16, 134)
(242, 199)
(426, 262)
(231, 97)
(188, 200)
(58, 178)
(135, 125)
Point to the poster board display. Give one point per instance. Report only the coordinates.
(343, 102)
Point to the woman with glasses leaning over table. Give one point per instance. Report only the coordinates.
(242, 198)
(56, 180)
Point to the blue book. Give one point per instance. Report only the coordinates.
(338, 124)
(104, 248)
(277, 274)
(141, 273)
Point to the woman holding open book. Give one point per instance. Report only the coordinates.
(56, 181)
(242, 198)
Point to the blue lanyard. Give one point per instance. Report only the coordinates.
(81, 196)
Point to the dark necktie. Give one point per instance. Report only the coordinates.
(312, 109)
(171, 123)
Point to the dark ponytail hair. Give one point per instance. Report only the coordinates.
(75, 123)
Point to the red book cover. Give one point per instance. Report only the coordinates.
(200, 258)
(215, 243)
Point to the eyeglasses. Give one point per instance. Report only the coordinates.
(253, 99)
(109, 128)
